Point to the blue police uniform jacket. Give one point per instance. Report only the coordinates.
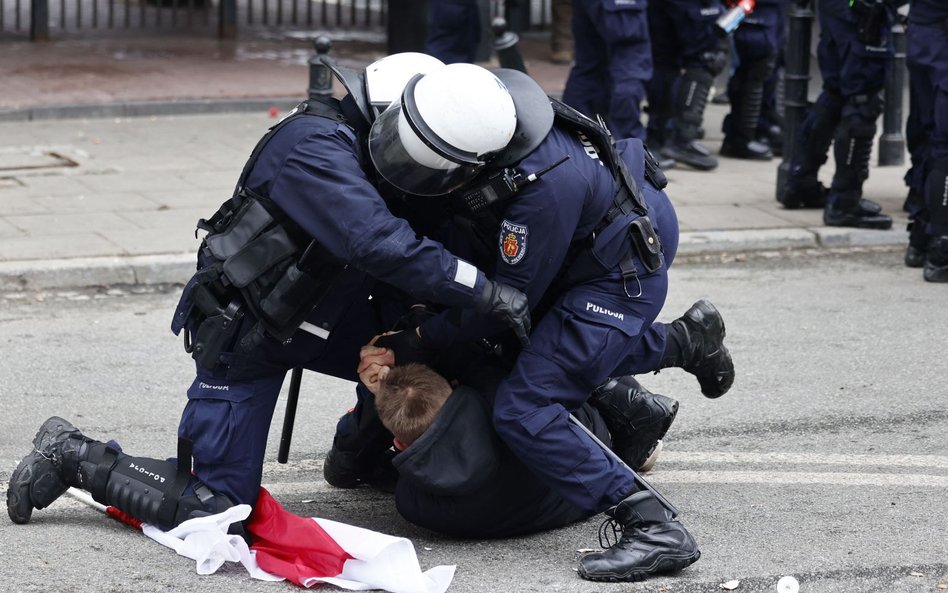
(311, 169)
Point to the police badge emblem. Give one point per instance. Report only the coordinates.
(513, 242)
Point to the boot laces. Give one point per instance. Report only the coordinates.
(610, 531)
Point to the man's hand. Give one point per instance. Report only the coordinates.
(508, 304)
(374, 365)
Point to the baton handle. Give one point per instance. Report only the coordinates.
(289, 417)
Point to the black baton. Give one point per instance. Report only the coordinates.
(289, 417)
(639, 479)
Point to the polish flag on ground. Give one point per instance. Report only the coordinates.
(306, 551)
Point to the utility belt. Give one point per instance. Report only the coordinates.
(587, 263)
(251, 262)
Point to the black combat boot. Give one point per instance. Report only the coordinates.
(637, 419)
(936, 265)
(152, 490)
(361, 450)
(695, 342)
(683, 145)
(917, 250)
(846, 210)
(36, 482)
(651, 542)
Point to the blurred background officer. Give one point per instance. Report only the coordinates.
(928, 79)
(687, 54)
(454, 30)
(855, 49)
(757, 43)
(613, 63)
(561, 31)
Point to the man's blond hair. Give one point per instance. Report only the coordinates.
(408, 400)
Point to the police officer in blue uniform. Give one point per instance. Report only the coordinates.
(757, 43)
(687, 54)
(584, 229)
(855, 49)
(284, 277)
(454, 30)
(613, 63)
(927, 59)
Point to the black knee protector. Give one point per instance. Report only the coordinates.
(936, 196)
(866, 107)
(852, 148)
(747, 105)
(816, 134)
(690, 102)
(152, 490)
(714, 61)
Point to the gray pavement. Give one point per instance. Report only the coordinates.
(112, 197)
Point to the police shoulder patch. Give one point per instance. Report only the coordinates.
(513, 242)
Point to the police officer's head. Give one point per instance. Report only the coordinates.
(452, 122)
(385, 79)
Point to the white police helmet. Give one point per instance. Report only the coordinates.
(385, 79)
(444, 129)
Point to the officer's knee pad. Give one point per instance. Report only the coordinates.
(866, 107)
(760, 70)
(713, 61)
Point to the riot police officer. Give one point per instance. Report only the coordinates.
(687, 54)
(454, 30)
(927, 59)
(613, 63)
(582, 226)
(284, 277)
(854, 51)
(757, 43)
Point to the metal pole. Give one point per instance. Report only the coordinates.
(289, 417)
(638, 479)
(227, 23)
(320, 77)
(796, 85)
(39, 20)
(505, 44)
(892, 141)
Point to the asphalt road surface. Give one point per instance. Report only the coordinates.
(828, 460)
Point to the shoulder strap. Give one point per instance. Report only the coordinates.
(630, 200)
(327, 107)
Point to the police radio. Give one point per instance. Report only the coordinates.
(499, 185)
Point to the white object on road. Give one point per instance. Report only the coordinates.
(788, 584)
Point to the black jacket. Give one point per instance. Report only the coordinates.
(461, 480)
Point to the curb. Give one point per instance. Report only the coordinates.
(147, 108)
(31, 275)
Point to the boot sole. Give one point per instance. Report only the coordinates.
(47, 434)
(705, 315)
(664, 564)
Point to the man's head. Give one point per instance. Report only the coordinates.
(408, 399)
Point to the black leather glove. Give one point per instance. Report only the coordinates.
(508, 304)
(415, 316)
(407, 346)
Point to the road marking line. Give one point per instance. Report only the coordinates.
(660, 476)
(932, 461)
